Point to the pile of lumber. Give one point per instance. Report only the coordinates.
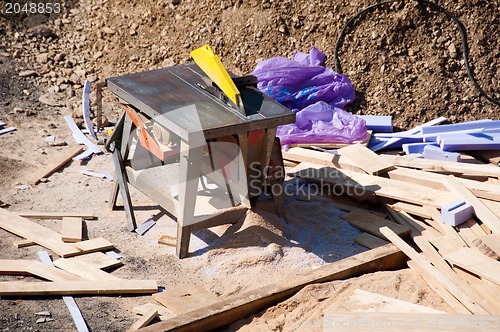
(459, 261)
(80, 270)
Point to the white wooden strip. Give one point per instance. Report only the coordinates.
(86, 108)
(69, 300)
(81, 137)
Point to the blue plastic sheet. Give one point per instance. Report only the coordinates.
(316, 93)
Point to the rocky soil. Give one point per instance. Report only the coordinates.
(404, 59)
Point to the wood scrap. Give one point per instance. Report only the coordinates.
(60, 162)
(480, 209)
(358, 184)
(70, 302)
(185, 299)
(143, 321)
(320, 158)
(358, 321)
(416, 210)
(99, 260)
(233, 308)
(370, 223)
(370, 241)
(443, 166)
(475, 262)
(23, 243)
(56, 215)
(163, 312)
(50, 273)
(72, 229)
(434, 272)
(87, 287)
(382, 303)
(82, 269)
(14, 266)
(366, 159)
(489, 245)
(47, 237)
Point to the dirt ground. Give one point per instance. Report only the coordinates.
(404, 60)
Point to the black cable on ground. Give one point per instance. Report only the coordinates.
(459, 25)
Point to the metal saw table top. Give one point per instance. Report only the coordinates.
(174, 98)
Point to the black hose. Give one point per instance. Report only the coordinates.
(459, 25)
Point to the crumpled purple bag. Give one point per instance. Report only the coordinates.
(317, 94)
(322, 123)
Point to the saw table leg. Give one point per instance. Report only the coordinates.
(243, 144)
(276, 177)
(190, 170)
(122, 145)
(121, 177)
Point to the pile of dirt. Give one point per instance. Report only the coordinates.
(404, 60)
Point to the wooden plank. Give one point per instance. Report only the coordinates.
(14, 266)
(370, 241)
(434, 272)
(185, 299)
(382, 303)
(320, 158)
(489, 245)
(87, 287)
(55, 215)
(35, 233)
(50, 273)
(84, 247)
(143, 321)
(70, 302)
(357, 183)
(435, 181)
(455, 304)
(487, 290)
(358, 321)
(366, 159)
(235, 307)
(467, 234)
(58, 163)
(24, 243)
(448, 230)
(72, 229)
(370, 223)
(481, 210)
(99, 260)
(443, 166)
(163, 312)
(83, 269)
(416, 210)
(475, 262)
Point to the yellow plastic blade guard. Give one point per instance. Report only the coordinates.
(213, 67)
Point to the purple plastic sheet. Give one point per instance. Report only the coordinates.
(317, 94)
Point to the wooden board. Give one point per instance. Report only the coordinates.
(88, 287)
(14, 266)
(416, 210)
(85, 247)
(99, 260)
(475, 262)
(71, 230)
(235, 307)
(55, 215)
(443, 166)
(489, 245)
(358, 183)
(35, 233)
(83, 269)
(58, 163)
(24, 243)
(370, 223)
(434, 272)
(321, 158)
(370, 241)
(51, 273)
(435, 181)
(382, 303)
(185, 299)
(356, 321)
(366, 159)
(481, 210)
(163, 312)
(143, 321)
